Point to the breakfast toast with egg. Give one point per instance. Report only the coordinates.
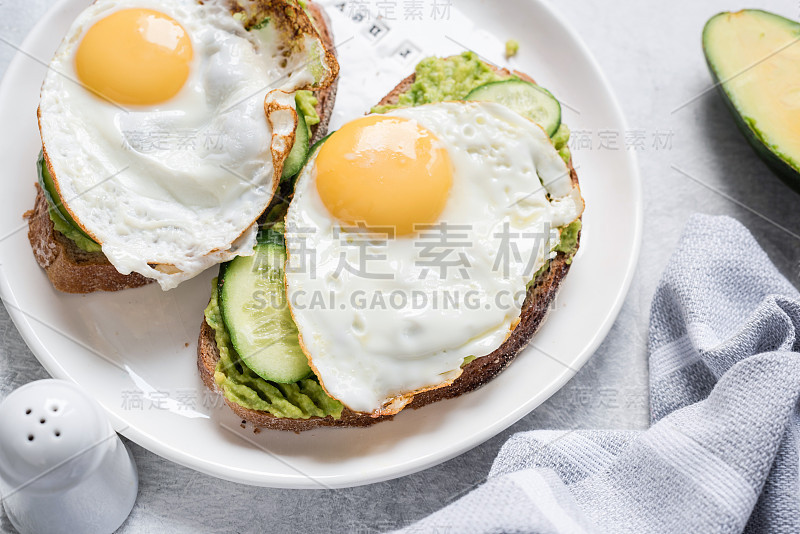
(538, 301)
(74, 270)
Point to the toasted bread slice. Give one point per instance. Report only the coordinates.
(69, 268)
(538, 301)
(73, 270)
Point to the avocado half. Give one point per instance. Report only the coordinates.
(754, 55)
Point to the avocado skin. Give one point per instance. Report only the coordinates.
(784, 170)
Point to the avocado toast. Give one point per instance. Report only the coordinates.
(303, 405)
(74, 263)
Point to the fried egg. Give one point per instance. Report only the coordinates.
(412, 237)
(165, 124)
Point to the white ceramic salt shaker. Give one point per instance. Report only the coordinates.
(62, 466)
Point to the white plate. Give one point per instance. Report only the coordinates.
(140, 344)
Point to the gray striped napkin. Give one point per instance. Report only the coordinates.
(721, 455)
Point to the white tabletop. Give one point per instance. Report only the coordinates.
(692, 160)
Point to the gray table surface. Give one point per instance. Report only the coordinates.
(651, 53)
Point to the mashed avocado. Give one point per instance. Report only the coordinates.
(512, 47)
(452, 78)
(440, 79)
(560, 141)
(239, 384)
(568, 244)
(307, 105)
(569, 239)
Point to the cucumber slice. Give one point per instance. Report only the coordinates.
(317, 146)
(528, 99)
(256, 314)
(297, 156)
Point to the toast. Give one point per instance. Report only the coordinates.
(478, 372)
(73, 270)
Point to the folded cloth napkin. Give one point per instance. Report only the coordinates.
(721, 454)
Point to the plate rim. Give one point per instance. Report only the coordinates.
(297, 481)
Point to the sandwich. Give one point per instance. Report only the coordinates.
(420, 250)
(166, 129)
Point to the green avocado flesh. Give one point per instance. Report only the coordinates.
(307, 106)
(441, 79)
(754, 56)
(437, 80)
(512, 48)
(453, 78)
(62, 220)
(568, 243)
(240, 384)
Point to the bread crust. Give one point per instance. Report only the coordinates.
(69, 268)
(325, 97)
(538, 301)
(73, 270)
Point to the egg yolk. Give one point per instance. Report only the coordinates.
(386, 173)
(134, 57)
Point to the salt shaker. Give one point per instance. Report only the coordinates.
(62, 466)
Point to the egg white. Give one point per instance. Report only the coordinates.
(178, 184)
(511, 190)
